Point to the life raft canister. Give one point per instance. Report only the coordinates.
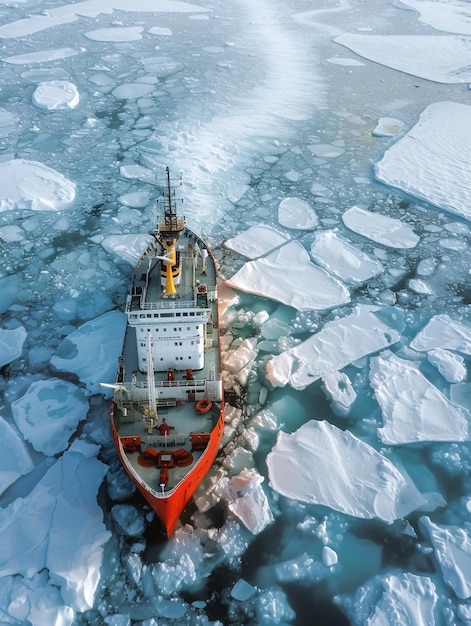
(203, 406)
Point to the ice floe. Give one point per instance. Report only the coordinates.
(296, 213)
(59, 526)
(340, 342)
(32, 185)
(126, 247)
(452, 549)
(441, 58)
(91, 352)
(48, 413)
(367, 484)
(433, 160)
(56, 95)
(15, 460)
(397, 598)
(441, 331)
(299, 284)
(388, 127)
(413, 409)
(380, 228)
(451, 17)
(11, 344)
(256, 241)
(338, 256)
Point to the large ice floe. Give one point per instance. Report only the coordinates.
(58, 526)
(366, 483)
(340, 342)
(433, 161)
(383, 229)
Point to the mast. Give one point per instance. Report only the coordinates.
(150, 414)
(170, 229)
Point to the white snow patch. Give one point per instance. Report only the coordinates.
(297, 214)
(256, 241)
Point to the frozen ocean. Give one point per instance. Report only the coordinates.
(325, 151)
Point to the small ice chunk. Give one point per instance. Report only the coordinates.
(450, 365)
(11, 344)
(288, 276)
(256, 241)
(92, 351)
(122, 33)
(342, 259)
(339, 388)
(14, 460)
(322, 464)
(388, 127)
(339, 343)
(242, 590)
(32, 185)
(329, 556)
(443, 332)
(129, 519)
(413, 408)
(56, 95)
(297, 214)
(12, 233)
(388, 231)
(48, 413)
(246, 499)
(452, 549)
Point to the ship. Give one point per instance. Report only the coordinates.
(167, 412)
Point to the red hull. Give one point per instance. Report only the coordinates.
(170, 507)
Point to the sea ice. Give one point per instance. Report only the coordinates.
(92, 351)
(15, 460)
(398, 598)
(59, 526)
(56, 95)
(441, 331)
(451, 17)
(256, 241)
(127, 247)
(413, 409)
(366, 484)
(288, 276)
(339, 389)
(340, 342)
(452, 549)
(450, 365)
(388, 231)
(441, 58)
(246, 499)
(342, 259)
(11, 344)
(297, 214)
(48, 413)
(388, 127)
(433, 161)
(32, 185)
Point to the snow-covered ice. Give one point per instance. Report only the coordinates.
(413, 409)
(54, 95)
(256, 241)
(340, 342)
(11, 344)
(344, 260)
(382, 229)
(48, 414)
(15, 460)
(432, 162)
(442, 331)
(366, 485)
(288, 276)
(32, 185)
(296, 213)
(91, 352)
